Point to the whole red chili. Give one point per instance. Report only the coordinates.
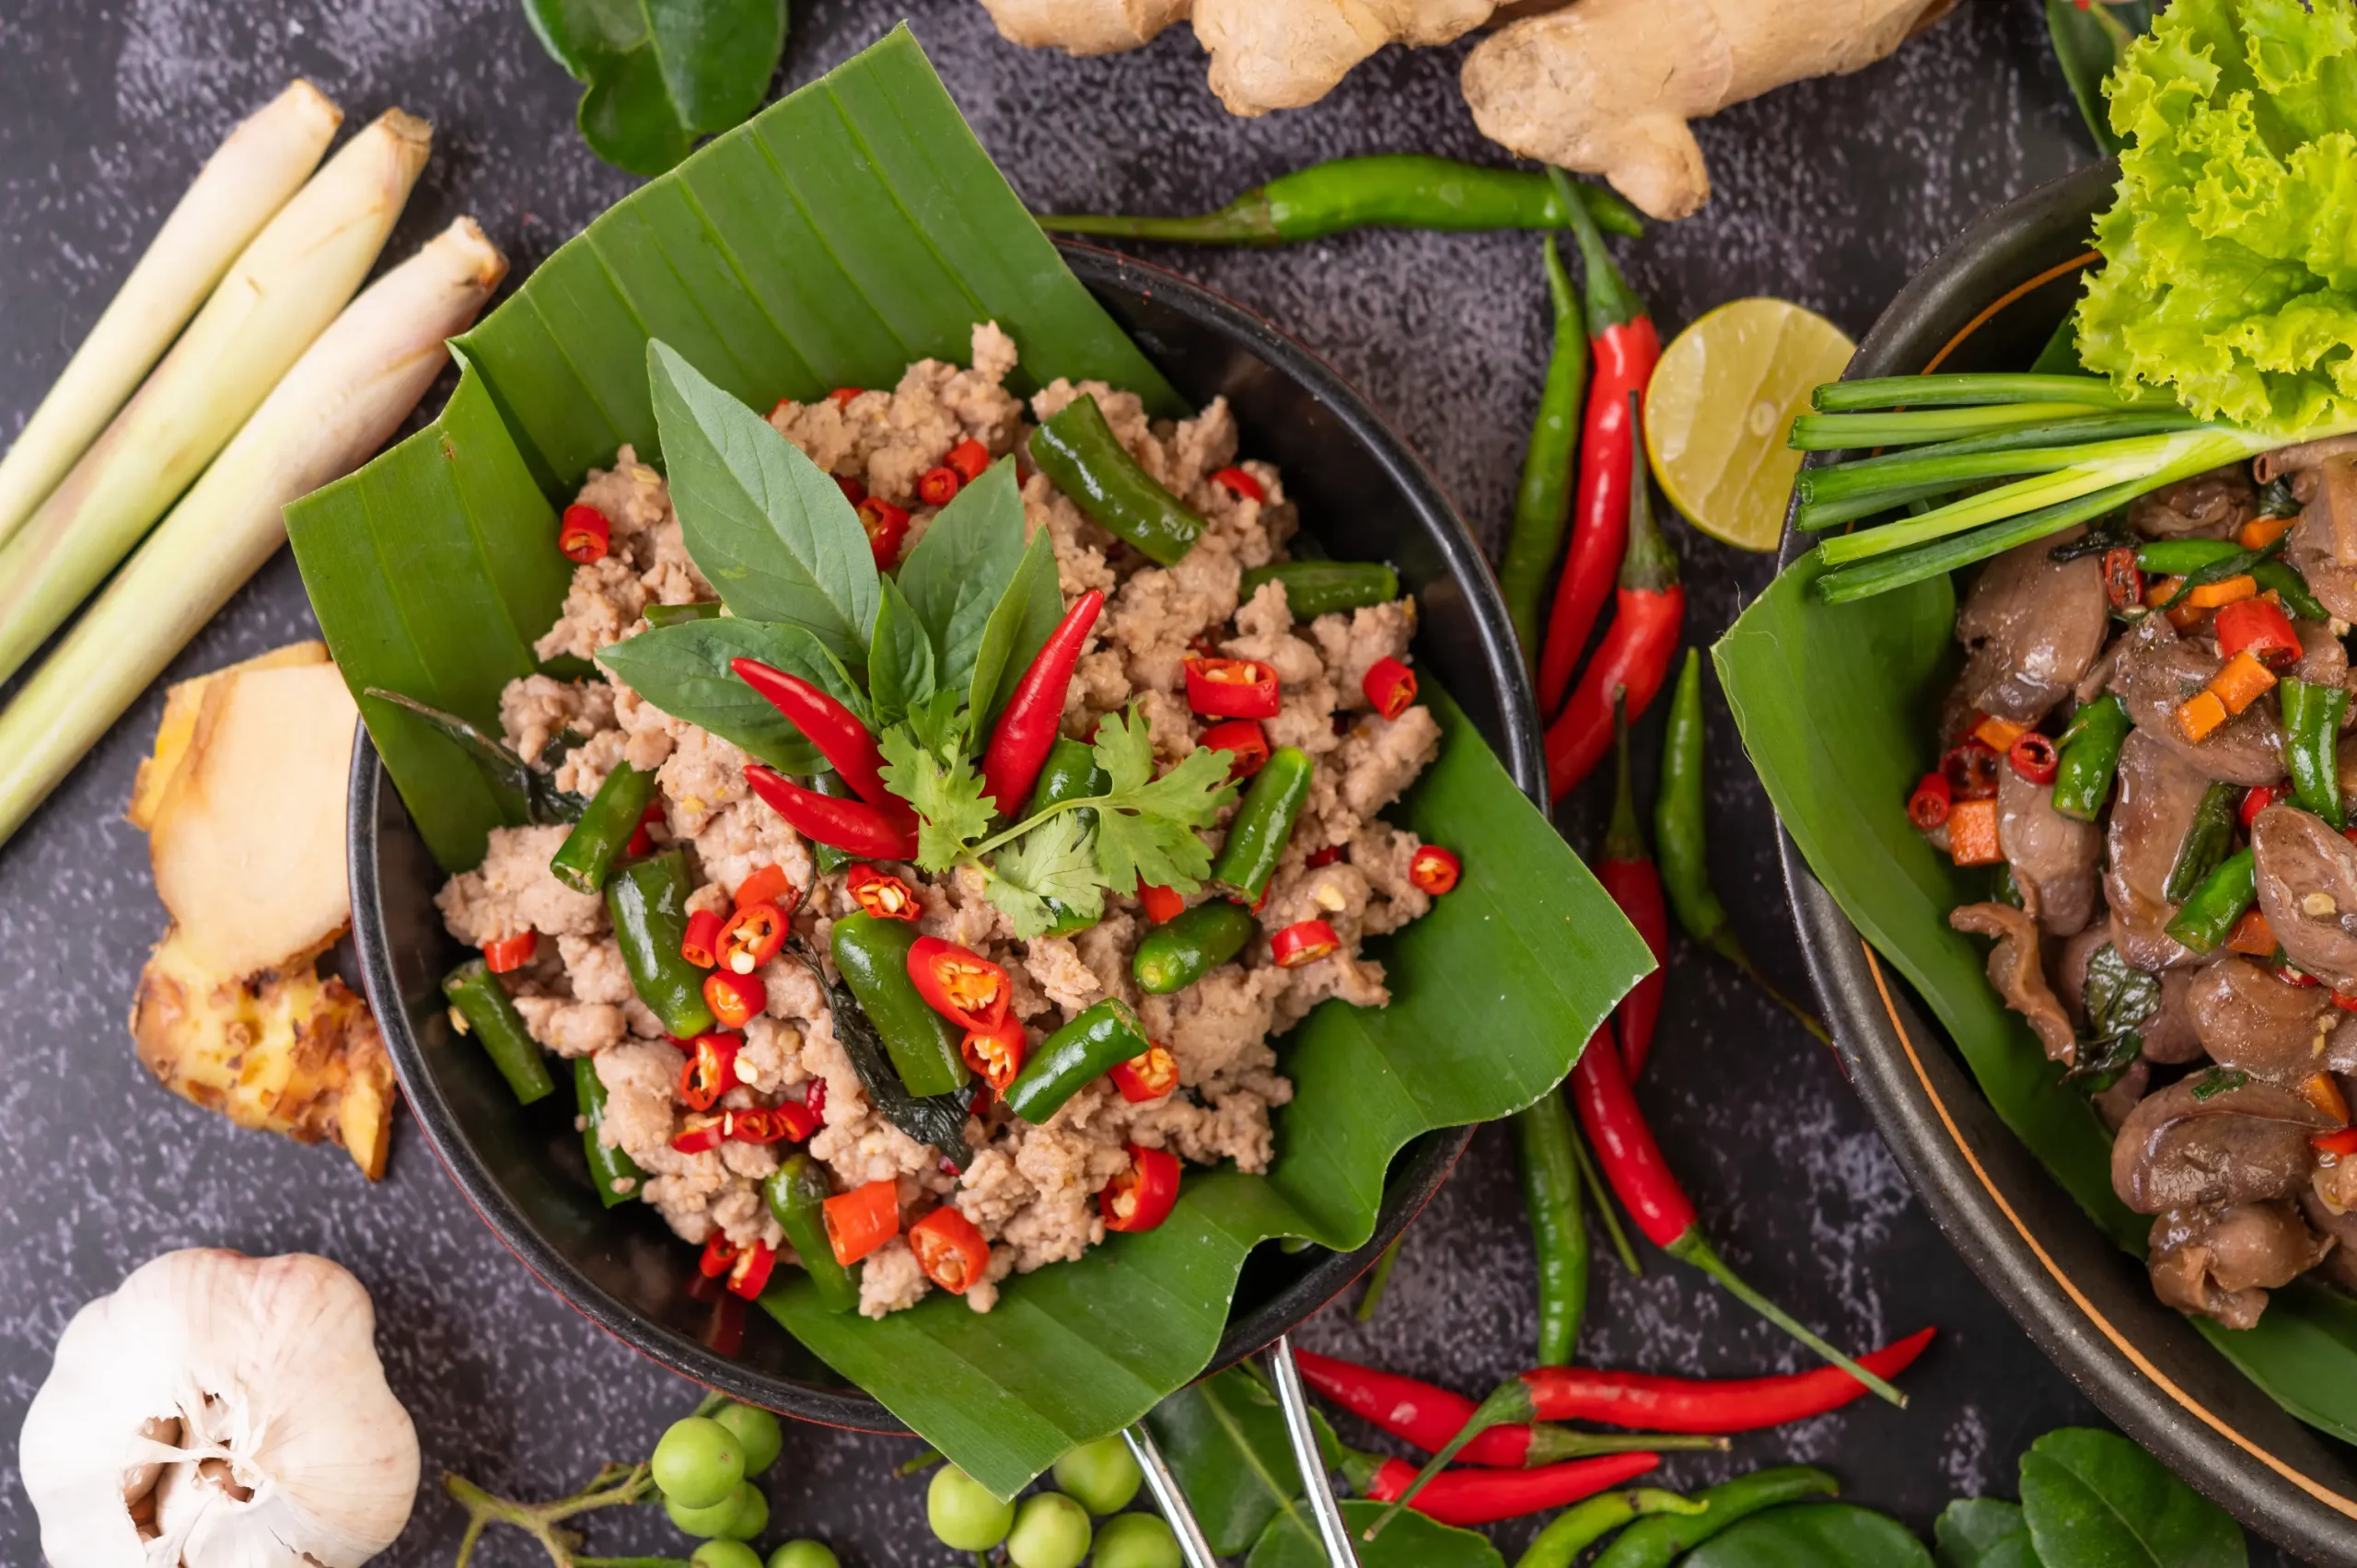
(509, 954)
(770, 885)
(1151, 1075)
(1304, 942)
(750, 938)
(1625, 348)
(701, 1132)
(959, 983)
(834, 729)
(1633, 659)
(885, 896)
(950, 1248)
(2256, 799)
(1434, 870)
(1389, 687)
(995, 1052)
(1141, 1196)
(938, 487)
(1933, 800)
(1026, 729)
(1243, 740)
(2123, 582)
(1160, 903)
(1232, 689)
(1241, 483)
(885, 526)
(1472, 1498)
(584, 535)
(2034, 758)
(709, 1072)
(1626, 870)
(701, 944)
(854, 825)
(969, 457)
(735, 999)
(1970, 767)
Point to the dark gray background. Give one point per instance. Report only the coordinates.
(1829, 193)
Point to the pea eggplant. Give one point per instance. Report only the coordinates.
(1189, 945)
(648, 902)
(872, 956)
(1263, 824)
(492, 1018)
(796, 1193)
(1074, 1057)
(615, 1174)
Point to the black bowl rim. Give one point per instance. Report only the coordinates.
(1413, 1180)
(1996, 1205)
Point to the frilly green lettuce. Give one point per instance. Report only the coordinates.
(2230, 276)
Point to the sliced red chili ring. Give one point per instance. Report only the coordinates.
(958, 982)
(584, 535)
(1435, 870)
(1970, 767)
(1326, 857)
(970, 458)
(2034, 758)
(1151, 1075)
(1141, 1196)
(995, 1052)
(701, 946)
(1305, 942)
(770, 885)
(1933, 800)
(1241, 483)
(842, 395)
(938, 487)
(511, 952)
(1245, 740)
(883, 895)
(860, 1221)
(640, 841)
(885, 526)
(854, 490)
(2123, 582)
(950, 1248)
(710, 1070)
(2256, 799)
(751, 937)
(720, 1255)
(735, 999)
(701, 1132)
(1160, 903)
(1232, 689)
(1390, 687)
(750, 1275)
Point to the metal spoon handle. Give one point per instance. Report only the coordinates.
(1169, 1499)
(1294, 1402)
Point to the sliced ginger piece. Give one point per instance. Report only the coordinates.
(182, 703)
(248, 843)
(282, 1052)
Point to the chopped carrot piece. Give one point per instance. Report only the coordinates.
(1972, 833)
(1997, 734)
(2244, 681)
(2209, 595)
(2260, 532)
(2252, 936)
(2160, 590)
(2201, 714)
(2319, 1090)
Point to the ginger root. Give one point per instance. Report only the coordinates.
(1285, 53)
(1607, 87)
(1084, 27)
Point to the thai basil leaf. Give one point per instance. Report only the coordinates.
(660, 73)
(2118, 998)
(961, 569)
(1812, 1535)
(1018, 628)
(2219, 1081)
(1982, 1532)
(2094, 1500)
(684, 671)
(1225, 1440)
(763, 523)
(1410, 1540)
(543, 802)
(2276, 500)
(899, 658)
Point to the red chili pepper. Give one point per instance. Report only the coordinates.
(1141, 1196)
(2340, 1144)
(1151, 1075)
(814, 1100)
(885, 526)
(709, 1072)
(938, 487)
(770, 885)
(2257, 799)
(1933, 800)
(1305, 942)
(750, 1276)
(969, 457)
(883, 895)
(701, 946)
(853, 825)
(2123, 582)
(1970, 769)
(950, 1248)
(1433, 869)
(786, 1121)
(2034, 758)
(1241, 483)
(511, 952)
(750, 938)
(1626, 870)
(1232, 689)
(719, 1255)
(959, 983)
(641, 841)
(853, 492)
(2258, 627)
(1160, 903)
(700, 1132)
(735, 999)
(1026, 729)
(1333, 853)
(584, 535)
(1472, 1498)
(834, 729)
(842, 395)
(1625, 348)
(1243, 740)
(1390, 686)
(995, 1052)
(860, 1221)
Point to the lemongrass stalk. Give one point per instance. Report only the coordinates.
(247, 180)
(1838, 432)
(1884, 573)
(1973, 388)
(341, 402)
(285, 287)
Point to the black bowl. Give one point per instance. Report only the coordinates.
(1990, 302)
(1362, 493)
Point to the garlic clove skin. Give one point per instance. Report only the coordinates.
(220, 1412)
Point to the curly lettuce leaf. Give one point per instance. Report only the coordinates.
(2230, 276)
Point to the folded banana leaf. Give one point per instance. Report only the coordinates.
(1837, 705)
(843, 232)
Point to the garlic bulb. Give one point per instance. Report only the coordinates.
(220, 1412)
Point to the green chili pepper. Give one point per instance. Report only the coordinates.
(1321, 588)
(1550, 1197)
(872, 955)
(615, 1174)
(1583, 1524)
(586, 857)
(1070, 772)
(2312, 745)
(2089, 757)
(2207, 839)
(1079, 453)
(492, 1018)
(2183, 557)
(2291, 587)
(1542, 505)
(827, 857)
(1263, 824)
(1074, 1057)
(648, 900)
(1189, 945)
(681, 614)
(795, 1191)
(2205, 919)
(1651, 1543)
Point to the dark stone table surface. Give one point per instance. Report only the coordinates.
(1829, 193)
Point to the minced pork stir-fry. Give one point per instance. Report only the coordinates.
(825, 1025)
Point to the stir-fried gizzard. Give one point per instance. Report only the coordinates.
(2149, 745)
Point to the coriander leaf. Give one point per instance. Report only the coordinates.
(660, 73)
(1018, 627)
(899, 658)
(960, 570)
(1124, 749)
(1051, 861)
(945, 792)
(941, 722)
(1144, 825)
(684, 671)
(763, 523)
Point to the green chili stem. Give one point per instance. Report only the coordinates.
(1692, 1248)
(1377, 1278)
(1601, 1196)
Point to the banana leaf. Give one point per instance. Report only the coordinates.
(851, 227)
(1791, 664)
